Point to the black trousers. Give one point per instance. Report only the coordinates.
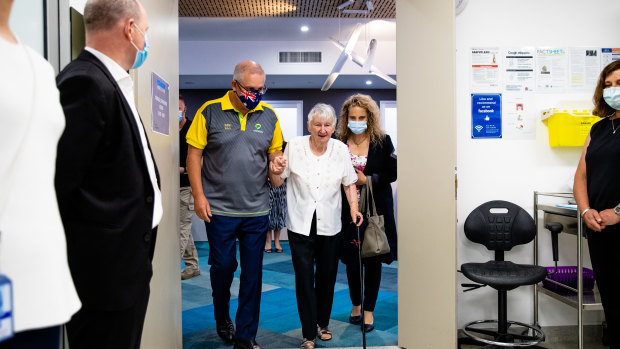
(314, 291)
(606, 265)
(94, 329)
(44, 338)
(372, 281)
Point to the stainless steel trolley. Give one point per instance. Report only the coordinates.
(573, 225)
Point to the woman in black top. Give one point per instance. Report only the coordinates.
(597, 192)
(372, 154)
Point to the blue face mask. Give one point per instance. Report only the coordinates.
(612, 97)
(180, 115)
(357, 127)
(141, 54)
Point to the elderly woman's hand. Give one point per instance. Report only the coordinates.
(356, 216)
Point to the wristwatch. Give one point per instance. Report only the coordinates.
(617, 210)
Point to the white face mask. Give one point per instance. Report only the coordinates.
(612, 97)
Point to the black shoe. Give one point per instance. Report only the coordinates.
(245, 344)
(369, 327)
(355, 320)
(226, 330)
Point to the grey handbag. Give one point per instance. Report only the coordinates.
(375, 241)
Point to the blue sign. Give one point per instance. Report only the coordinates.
(486, 115)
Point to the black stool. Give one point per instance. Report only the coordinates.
(499, 226)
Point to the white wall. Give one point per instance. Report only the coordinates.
(27, 23)
(205, 57)
(513, 169)
(162, 327)
(427, 158)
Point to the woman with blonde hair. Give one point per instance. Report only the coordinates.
(373, 157)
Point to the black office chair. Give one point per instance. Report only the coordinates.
(499, 226)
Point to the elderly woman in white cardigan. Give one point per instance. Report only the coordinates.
(316, 166)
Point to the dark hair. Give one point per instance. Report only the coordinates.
(601, 108)
(104, 14)
(181, 97)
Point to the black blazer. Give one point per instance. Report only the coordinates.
(105, 194)
(381, 166)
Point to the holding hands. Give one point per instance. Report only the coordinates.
(277, 165)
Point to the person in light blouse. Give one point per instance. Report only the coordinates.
(316, 166)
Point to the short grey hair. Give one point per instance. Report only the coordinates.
(247, 66)
(104, 14)
(323, 111)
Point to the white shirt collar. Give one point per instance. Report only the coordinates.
(114, 68)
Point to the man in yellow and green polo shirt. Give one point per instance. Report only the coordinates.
(239, 140)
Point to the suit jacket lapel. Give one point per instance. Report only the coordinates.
(127, 113)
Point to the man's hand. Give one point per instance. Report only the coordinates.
(202, 207)
(181, 170)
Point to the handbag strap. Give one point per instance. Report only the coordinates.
(370, 196)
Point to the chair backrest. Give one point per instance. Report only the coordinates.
(500, 225)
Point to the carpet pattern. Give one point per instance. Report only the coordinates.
(279, 325)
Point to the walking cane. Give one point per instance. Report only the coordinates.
(359, 256)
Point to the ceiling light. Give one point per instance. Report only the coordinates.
(359, 12)
(368, 82)
(345, 4)
(304, 28)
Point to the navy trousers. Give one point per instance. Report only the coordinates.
(222, 233)
(44, 338)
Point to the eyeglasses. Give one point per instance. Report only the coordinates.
(261, 90)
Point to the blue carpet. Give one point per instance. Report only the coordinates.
(279, 325)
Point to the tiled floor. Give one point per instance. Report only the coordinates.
(279, 325)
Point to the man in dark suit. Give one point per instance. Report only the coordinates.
(106, 179)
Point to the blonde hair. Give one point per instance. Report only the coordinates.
(373, 128)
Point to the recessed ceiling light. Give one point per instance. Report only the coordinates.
(368, 82)
(304, 28)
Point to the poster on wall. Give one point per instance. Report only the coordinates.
(486, 115)
(609, 55)
(160, 114)
(519, 69)
(485, 69)
(585, 66)
(518, 116)
(551, 69)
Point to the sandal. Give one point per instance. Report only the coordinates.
(307, 344)
(268, 250)
(324, 333)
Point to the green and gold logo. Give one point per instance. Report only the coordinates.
(258, 126)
